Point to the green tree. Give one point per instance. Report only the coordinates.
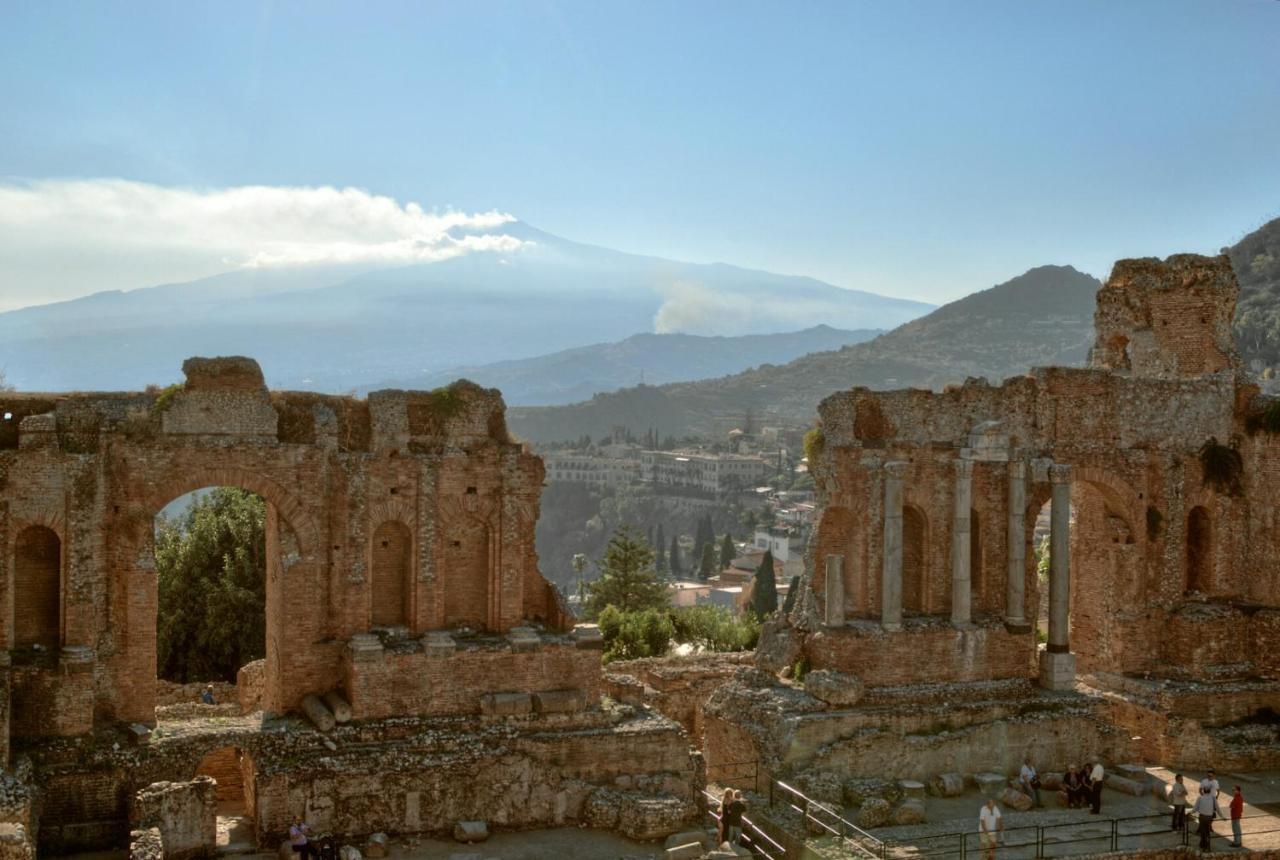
(631, 635)
(628, 580)
(673, 558)
(211, 573)
(660, 551)
(727, 551)
(715, 628)
(792, 590)
(707, 564)
(4, 384)
(764, 597)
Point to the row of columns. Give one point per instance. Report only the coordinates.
(961, 544)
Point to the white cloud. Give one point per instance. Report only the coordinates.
(63, 238)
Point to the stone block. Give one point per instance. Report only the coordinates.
(947, 785)
(364, 647)
(471, 831)
(874, 812)
(439, 645)
(185, 813)
(1135, 772)
(559, 701)
(588, 636)
(911, 788)
(1057, 671)
(910, 811)
(990, 784)
(1014, 799)
(1126, 786)
(688, 851)
(139, 734)
(349, 852)
(685, 837)
(506, 704)
(645, 818)
(143, 845)
(524, 639)
(377, 846)
(835, 688)
(317, 712)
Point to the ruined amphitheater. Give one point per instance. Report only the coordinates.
(421, 676)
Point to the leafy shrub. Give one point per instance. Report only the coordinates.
(715, 628)
(1155, 522)
(631, 635)
(1223, 467)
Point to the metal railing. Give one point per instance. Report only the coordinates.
(756, 839)
(1068, 838)
(736, 774)
(827, 820)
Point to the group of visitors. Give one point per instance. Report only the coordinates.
(732, 807)
(1083, 786)
(1207, 808)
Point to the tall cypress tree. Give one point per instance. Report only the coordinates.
(707, 564)
(660, 550)
(727, 551)
(673, 558)
(764, 597)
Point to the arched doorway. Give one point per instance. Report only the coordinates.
(1199, 560)
(914, 543)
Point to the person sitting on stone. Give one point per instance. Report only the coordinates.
(206, 695)
(1030, 781)
(298, 841)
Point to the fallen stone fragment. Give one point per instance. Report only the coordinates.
(341, 709)
(319, 715)
(685, 837)
(947, 785)
(910, 811)
(874, 812)
(377, 846)
(1015, 799)
(1127, 786)
(471, 831)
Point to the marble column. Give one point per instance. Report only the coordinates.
(891, 579)
(961, 576)
(835, 591)
(1015, 594)
(1057, 663)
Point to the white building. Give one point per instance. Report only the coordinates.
(708, 473)
(565, 466)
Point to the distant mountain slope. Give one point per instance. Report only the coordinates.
(1042, 317)
(335, 329)
(577, 374)
(1256, 260)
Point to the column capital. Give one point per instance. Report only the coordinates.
(896, 469)
(1017, 468)
(964, 468)
(1060, 473)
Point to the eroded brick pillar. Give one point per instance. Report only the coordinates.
(961, 576)
(1015, 595)
(835, 591)
(891, 575)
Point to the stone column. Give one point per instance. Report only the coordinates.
(1015, 594)
(961, 576)
(835, 591)
(891, 579)
(1057, 664)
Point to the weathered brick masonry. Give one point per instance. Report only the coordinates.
(401, 573)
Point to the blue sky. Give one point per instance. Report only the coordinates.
(922, 149)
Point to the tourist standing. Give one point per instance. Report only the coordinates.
(721, 826)
(1178, 797)
(733, 818)
(1030, 781)
(990, 825)
(1096, 776)
(1237, 812)
(1204, 813)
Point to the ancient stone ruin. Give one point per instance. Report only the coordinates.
(440, 676)
(918, 614)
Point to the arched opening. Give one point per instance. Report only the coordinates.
(466, 587)
(392, 548)
(37, 589)
(913, 559)
(1199, 551)
(211, 570)
(976, 579)
(229, 768)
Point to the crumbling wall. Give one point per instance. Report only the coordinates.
(677, 687)
(186, 814)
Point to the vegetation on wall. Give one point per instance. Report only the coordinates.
(1222, 467)
(1155, 522)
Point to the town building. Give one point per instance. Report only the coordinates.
(703, 472)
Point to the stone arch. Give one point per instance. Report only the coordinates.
(391, 565)
(287, 506)
(915, 546)
(1199, 550)
(1121, 499)
(37, 588)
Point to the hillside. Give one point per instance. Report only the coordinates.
(1042, 317)
(577, 374)
(1256, 259)
(333, 328)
